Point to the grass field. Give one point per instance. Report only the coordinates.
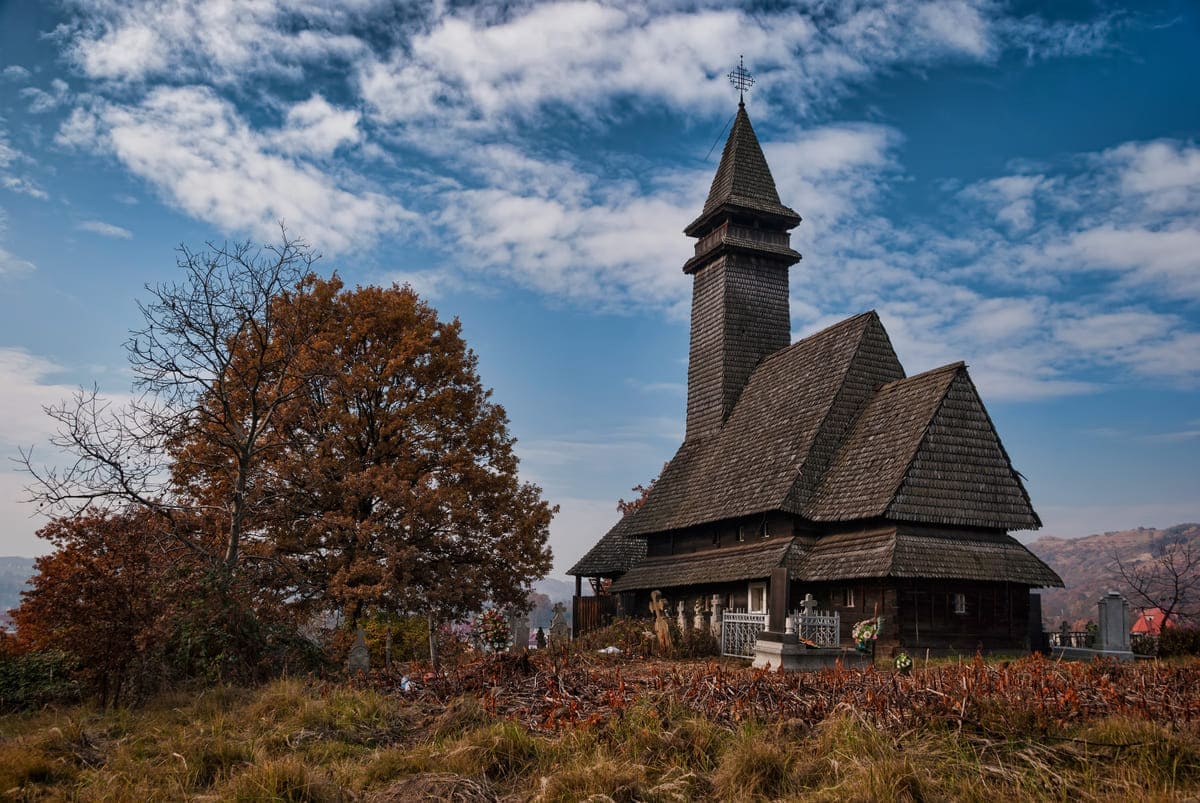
(580, 728)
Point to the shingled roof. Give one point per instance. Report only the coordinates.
(905, 551)
(924, 449)
(794, 411)
(827, 429)
(898, 551)
(713, 566)
(612, 555)
(742, 180)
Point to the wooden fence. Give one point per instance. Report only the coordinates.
(592, 613)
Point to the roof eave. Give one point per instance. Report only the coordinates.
(783, 215)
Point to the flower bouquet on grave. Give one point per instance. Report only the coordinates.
(491, 628)
(903, 662)
(864, 633)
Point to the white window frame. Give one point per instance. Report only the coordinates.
(848, 600)
(750, 597)
(960, 603)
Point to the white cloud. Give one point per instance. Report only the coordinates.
(1168, 259)
(137, 40)
(473, 67)
(10, 156)
(106, 229)
(11, 265)
(30, 384)
(1166, 174)
(1013, 197)
(15, 72)
(24, 377)
(1113, 331)
(24, 186)
(206, 160)
(314, 127)
(41, 101)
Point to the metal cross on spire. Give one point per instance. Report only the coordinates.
(741, 79)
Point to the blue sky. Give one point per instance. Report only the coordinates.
(1012, 184)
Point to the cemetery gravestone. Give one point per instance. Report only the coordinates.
(519, 627)
(560, 631)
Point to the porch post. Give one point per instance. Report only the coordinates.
(575, 606)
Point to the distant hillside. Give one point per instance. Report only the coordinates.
(1087, 566)
(14, 572)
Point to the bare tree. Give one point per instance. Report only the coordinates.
(213, 361)
(1169, 580)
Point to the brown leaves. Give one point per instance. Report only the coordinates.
(1031, 697)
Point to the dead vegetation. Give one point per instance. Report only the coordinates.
(612, 730)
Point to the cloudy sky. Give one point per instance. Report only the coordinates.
(1015, 185)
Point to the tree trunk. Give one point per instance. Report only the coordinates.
(433, 652)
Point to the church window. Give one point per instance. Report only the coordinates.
(757, 602)
(960, 604)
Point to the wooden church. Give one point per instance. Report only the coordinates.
(880, 493)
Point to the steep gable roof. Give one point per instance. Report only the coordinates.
(962, 474)
(795, 399)
(743, 178)
(924, 449)
(829, 429)
(612, 555)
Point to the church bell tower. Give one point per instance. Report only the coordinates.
(739, 279)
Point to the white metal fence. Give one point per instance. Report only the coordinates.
(739, 630)
(823, 628)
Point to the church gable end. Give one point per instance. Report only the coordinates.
(961, 474)
(871, 463)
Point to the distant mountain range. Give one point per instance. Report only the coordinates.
(14, 573)
(1088, 567)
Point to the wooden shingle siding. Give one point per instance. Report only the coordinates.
(961, 474)
(750, 465)
(612, 555)
(871, 462)
(751, 562)
(904, 551)
(874, 364)
(742, 181)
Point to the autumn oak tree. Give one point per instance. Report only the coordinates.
(392, 485)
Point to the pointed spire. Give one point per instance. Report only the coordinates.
(743, 180)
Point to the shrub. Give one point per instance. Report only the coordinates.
(692, 644)
(33, 679)
(631, 636)
(1178, 641)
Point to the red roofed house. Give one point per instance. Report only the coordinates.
(1150, 622)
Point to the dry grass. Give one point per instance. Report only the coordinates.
(291, 740)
